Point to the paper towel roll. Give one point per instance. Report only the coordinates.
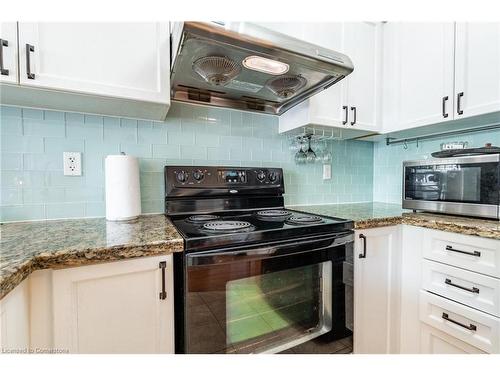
(123, 191)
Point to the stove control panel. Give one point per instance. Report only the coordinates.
(233, 176)
(208, 177)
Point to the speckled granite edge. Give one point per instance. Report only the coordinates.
(83, 258)
(421, 220)
(29, 246)
(376, 214)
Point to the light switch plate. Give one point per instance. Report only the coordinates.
(327, 171)
(72, 162)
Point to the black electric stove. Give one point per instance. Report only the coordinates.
(255, 276)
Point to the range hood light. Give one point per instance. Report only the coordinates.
(261, 64)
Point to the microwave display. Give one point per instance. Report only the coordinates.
(463, 183)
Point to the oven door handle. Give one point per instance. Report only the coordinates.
(214, 257)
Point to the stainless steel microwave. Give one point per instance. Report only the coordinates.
(468, 185)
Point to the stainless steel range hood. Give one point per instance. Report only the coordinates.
(246, 66)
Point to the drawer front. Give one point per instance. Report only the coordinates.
(472, 253)
(470, 288)
(434, 341)
(474, 327)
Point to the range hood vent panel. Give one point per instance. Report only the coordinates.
(216, 70)
(208, 57)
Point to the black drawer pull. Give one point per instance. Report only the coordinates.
(3, 43)
(346, 114)
(363, 237)
(354, 111)
(29, 48)
(473, 253)
(470, 327)
(472, 290)
(445, 98)
(459, 103)
(163, 293)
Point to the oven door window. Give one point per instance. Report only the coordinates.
(257, 303)
(265, 311)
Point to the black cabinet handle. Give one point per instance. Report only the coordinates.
(163, 293)
(353, 109)
(3, 43)
(29, 48)
(472, 290)
(363, 237)
(473, 253)
(445, 98)
(346, 115)
(459, 103)
(470, 327)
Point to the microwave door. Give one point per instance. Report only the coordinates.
(463, 185)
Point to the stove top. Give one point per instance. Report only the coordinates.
(226, 229)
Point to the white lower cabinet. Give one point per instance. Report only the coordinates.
(377, 290)
(114, 307)
(14, 320)
(449, 301)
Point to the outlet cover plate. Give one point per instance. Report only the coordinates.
(327, 171)
(72, 162)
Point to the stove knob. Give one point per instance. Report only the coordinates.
(198, 175)
(182, 176)
(273, 176)
(261, 176)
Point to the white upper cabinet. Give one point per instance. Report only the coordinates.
(125, 60)
(8, 52)
(417, 74)
(325, 108)
(477, 68)
(362, 45)
(353, 102)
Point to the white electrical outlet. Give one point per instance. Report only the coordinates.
(327, 171)
(72, 163)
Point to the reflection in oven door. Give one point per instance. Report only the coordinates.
(257, 303)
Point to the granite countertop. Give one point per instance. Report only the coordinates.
(375, 214)
(29, 246)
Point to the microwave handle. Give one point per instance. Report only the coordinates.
(272, 251)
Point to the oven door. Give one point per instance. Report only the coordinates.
(265, 298)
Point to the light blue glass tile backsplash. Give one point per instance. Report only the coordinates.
(32, 143)
(388, 161)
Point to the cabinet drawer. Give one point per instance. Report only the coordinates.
(434, 341)
(472, 253)
(464, 323)
(470, 288)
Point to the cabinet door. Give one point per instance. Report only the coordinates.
(8, 53)
(15, 320)
(326, 106)
(361, 44)
(376, 291)
(114, 307)
(477, 68)
(433, 341)
(122, 60)
(422, 73)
